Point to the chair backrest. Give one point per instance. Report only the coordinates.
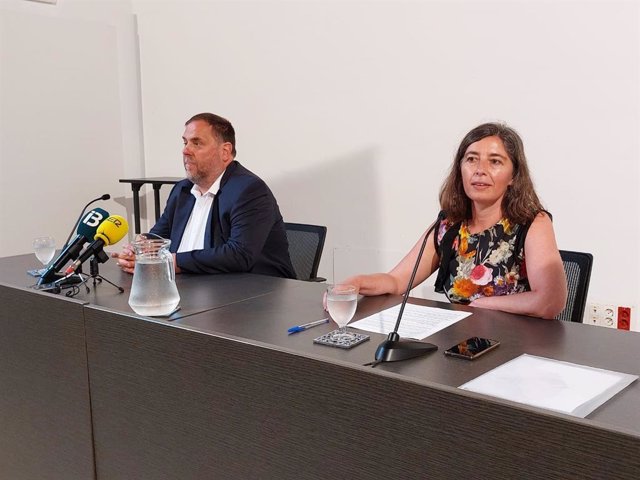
(577, 267)
(306, 243)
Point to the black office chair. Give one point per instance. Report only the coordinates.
(577, 267)
(305, 249)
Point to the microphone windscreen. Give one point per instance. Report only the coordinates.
(112, 230)
(106, 196)
(89, 224)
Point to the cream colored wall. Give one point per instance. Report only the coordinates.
(70, 123)
(352, 111)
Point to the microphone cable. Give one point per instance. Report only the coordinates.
(373, 364)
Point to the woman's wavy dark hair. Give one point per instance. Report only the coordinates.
(520, 203)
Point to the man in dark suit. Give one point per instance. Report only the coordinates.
(222, 217)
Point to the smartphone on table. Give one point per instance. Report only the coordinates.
(472, 348)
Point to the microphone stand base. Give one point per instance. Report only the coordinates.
(101, 257)
(99, 278)
(58, 282)
(394, 349)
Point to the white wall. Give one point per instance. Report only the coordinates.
(352, 111)
(70, 122)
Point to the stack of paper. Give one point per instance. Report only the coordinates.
(560, 386)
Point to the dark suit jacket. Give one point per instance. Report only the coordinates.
(245, 231)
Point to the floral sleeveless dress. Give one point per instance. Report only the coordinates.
(484, 264)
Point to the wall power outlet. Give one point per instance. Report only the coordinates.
(610, 316)
(602, 315)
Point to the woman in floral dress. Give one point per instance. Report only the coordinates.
(501, 252)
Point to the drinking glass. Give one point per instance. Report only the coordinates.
(44, 248)
(342, 301)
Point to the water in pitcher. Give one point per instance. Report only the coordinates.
(153, 291)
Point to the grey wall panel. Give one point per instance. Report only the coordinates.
(45, 423)
(170, 403)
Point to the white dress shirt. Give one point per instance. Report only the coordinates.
(193, 237)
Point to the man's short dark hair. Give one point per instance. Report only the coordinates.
(220, 126)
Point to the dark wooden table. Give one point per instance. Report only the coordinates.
(224, 392)
(46, 426)
(198, 293)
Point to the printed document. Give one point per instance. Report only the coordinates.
(417, 321)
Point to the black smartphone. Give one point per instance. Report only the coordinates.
(472, 348)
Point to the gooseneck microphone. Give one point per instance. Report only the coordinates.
(87, 228)
(394, 348)
(109, 232)
(106, 196)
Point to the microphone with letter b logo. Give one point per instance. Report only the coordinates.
(87, 228)
(109, 232)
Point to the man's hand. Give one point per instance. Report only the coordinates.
(126, 258)
(175, 264)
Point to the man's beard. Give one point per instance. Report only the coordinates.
(193, 176)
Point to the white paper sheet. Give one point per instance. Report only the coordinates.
(417, 321)
(560, 386)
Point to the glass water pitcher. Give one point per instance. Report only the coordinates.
(153, 291)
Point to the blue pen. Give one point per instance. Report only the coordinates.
(301, 328)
